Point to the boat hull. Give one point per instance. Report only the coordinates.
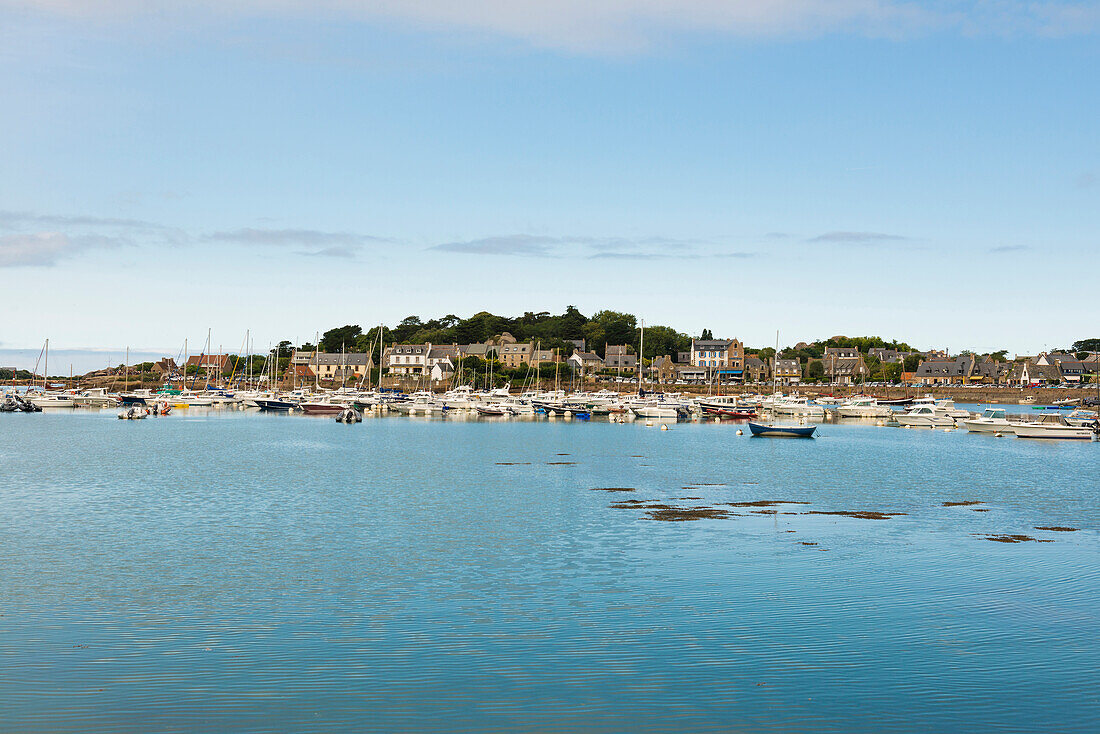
(277, 406)
(984, 427)
(323, 408)
(1058, 432)
(763, 431)
(920, 421)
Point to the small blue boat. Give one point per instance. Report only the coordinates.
(782, 431)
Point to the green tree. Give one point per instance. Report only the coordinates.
(572, 324)
(342, 337)
(706, 334)
(664, 340)
(816, 370)
(610, 327)
(912, 362)
(1086, 345)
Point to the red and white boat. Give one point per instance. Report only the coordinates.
(740, 413)
(323, 407)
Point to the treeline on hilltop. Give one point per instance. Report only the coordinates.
(550, 331)
(556, 332)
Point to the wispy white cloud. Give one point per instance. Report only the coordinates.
(592, 248)
(514, 244)
(44, 249)
(12, 220)
(1004, 249)
(342, 245)
(293, 237)
(616, 26)
(338, 251)
(858, 238)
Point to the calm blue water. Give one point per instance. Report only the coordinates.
(234, 571)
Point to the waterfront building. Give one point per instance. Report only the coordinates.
(515, 354)
(336, 366)
(407, 359)
(620, 357)
(721, 358)
(586, 362)
(788, 372)
(212, 364)
(945, 371)
(756, 369)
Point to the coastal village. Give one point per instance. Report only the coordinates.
(711, 361)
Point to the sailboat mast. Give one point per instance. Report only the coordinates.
(775, 361)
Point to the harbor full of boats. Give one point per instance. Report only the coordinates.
(348, 405)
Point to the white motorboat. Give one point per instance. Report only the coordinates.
(52, 400)
(655, 411)
(863, 408)
(993, 420)
(463, 398)
(798, 407)
(1053, 425)
(95, 397)
(1083, 418)
(721, 402)
(924, 416)
(424, 403)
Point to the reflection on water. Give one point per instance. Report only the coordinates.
(225, 570)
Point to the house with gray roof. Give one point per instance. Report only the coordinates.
(620, 357)
(788, 371)
(945, 372)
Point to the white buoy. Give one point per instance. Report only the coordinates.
(717, 420)
(648, 422)
(947, 430)
(664, 426)
(998, 435)
(740, 432)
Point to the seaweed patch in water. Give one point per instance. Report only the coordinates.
(685, 514)
(611, 489)
(689, 498)
(1010, 538)
(764, 503)
(1057, 528)
(979, 509)
(763, 512)
(963, 503)
(513, 463)
(561, 463)
(857, 514)
(806, 542)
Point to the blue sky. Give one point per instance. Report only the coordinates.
(928, 172)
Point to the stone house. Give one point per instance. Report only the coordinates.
(788, 371)
(620, 357)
